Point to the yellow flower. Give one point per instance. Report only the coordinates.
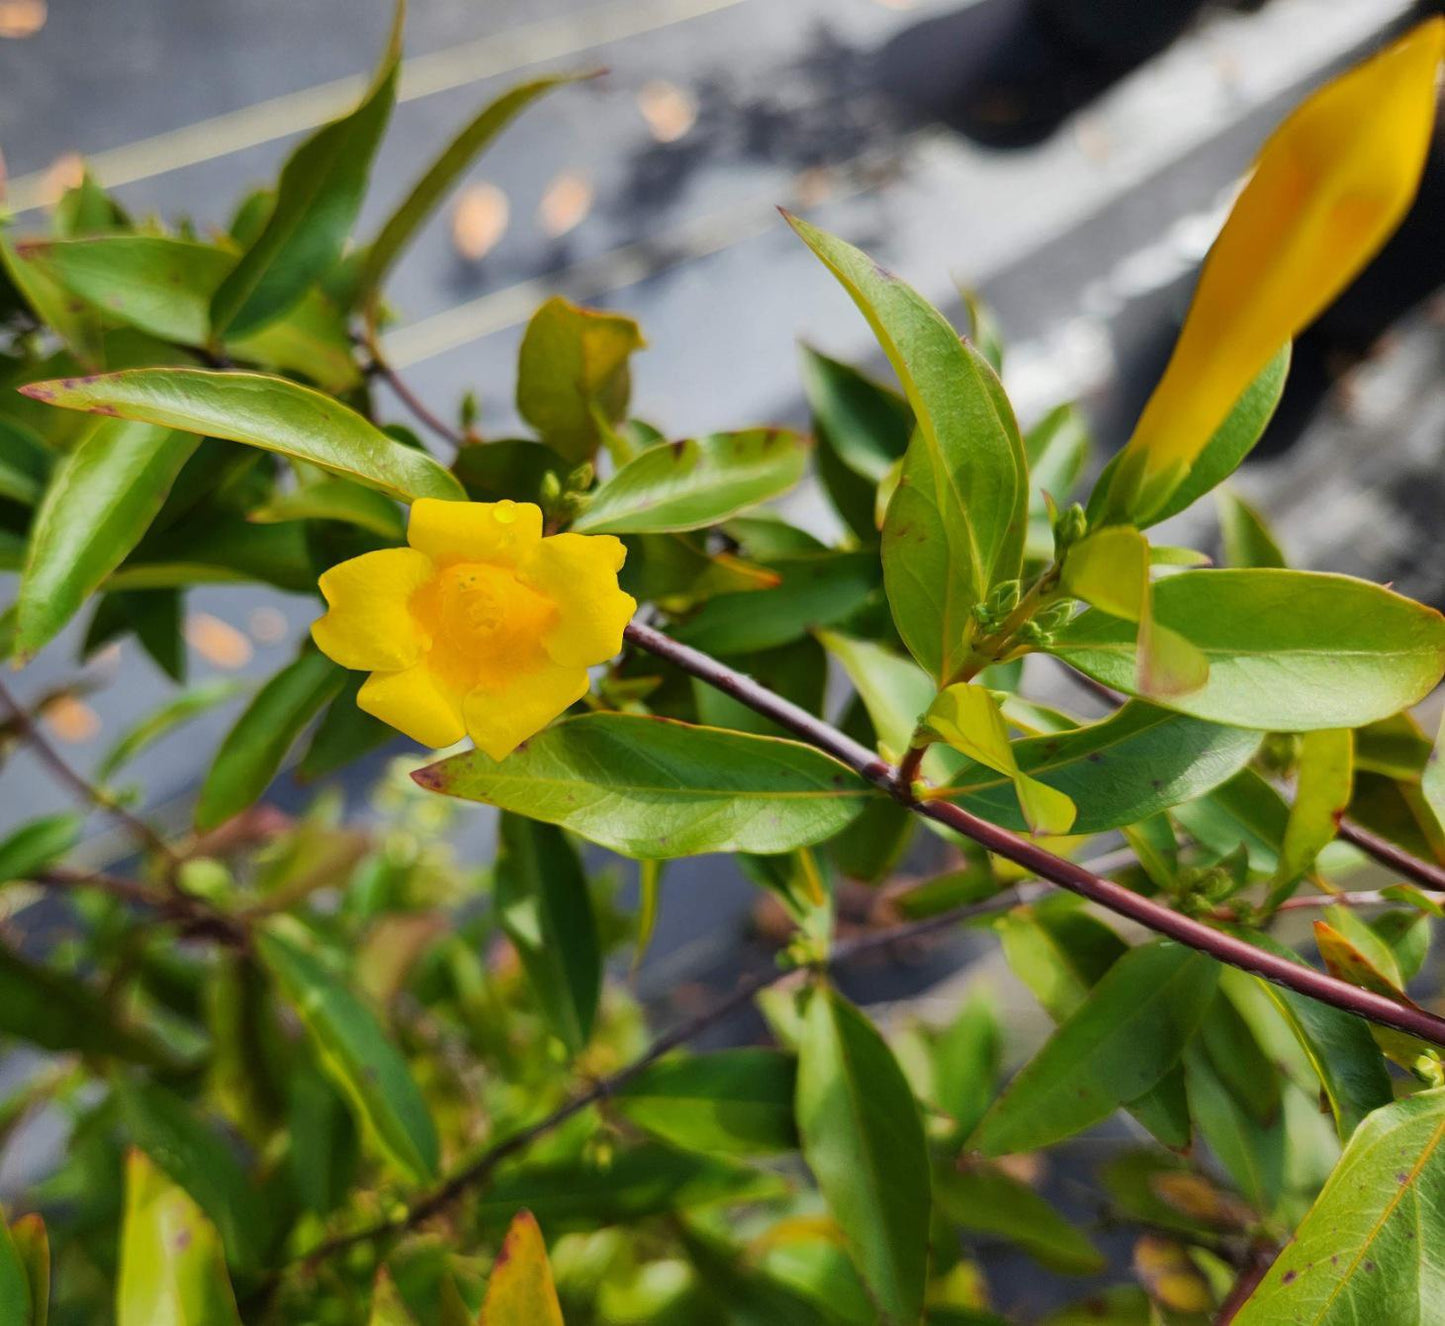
(481, 628)
(1328, 189)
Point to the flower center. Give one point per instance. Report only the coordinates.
(483, 616)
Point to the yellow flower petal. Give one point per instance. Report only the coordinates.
(414, 701)
(578, 572)
(498, 532)
(500, 719)
(370, 625)
(1328, 189)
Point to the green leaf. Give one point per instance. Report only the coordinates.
(172, 1269)
(687, 485)
(1432, 778)
(1110, 571)
(1323, 784)
(634, 1184)
(520, 1290)
(815, 590)
(984, 1200)
(345, 733)
(955, 526)
(168, 1130)
(1366, 1250)
(651, 788)
(317, 199)
(1060, 951)
(58, 1012)
(70, 318)
(737, 1101)
(25, 463)
(1247, 538)
(574, 361)
(862, 428)
(1245, 811)
(171, 715)
(36, 845)
(388, 1308)
(1289, 651)
(266, 412)
(163, 285)
(967, 717)
(966, 1059)
(1057, 448)
(1222, 454)
(15, 1305)
(1339, 1047)
(475, 137)
(101, 499)
(357, 1057)
(152, 616)
(334, 499)
(1117, 1046)
(251, 753)
(1131, 765)
(32, 1244)
(752, 1295)
(543, 904)
(1250, 1149)
(863, 1140)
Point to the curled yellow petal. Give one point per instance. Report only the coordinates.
(578, 572)
(414, 701)
(1328, 189)
(498, 532)
(369, 624)
(501, 717)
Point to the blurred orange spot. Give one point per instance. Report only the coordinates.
(813, 186)
(219, 643)
(565, 204)
(479, 220)
(668, 110)
(70, 719)
(267, 626)
(65, 172)
(21, 18)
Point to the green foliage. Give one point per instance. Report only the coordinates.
(319, 1067)
(655, 789)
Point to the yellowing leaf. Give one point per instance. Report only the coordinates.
(520, 1292)
(172, 1268)
(1322, 791)
(968, 718)
(1328, 189)
(1173, 1281)
(1110, 571)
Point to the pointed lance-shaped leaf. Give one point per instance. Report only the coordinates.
(956, 522)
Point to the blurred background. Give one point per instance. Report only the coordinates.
(1070, 159)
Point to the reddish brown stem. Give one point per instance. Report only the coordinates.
(30, 733)
(1227, 948)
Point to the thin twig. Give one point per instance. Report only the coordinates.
(1425, 873)
(1227, 948)
(479, 1170)
(1262, 1257)
(197, 918)
(419, 408)
(80, 787)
